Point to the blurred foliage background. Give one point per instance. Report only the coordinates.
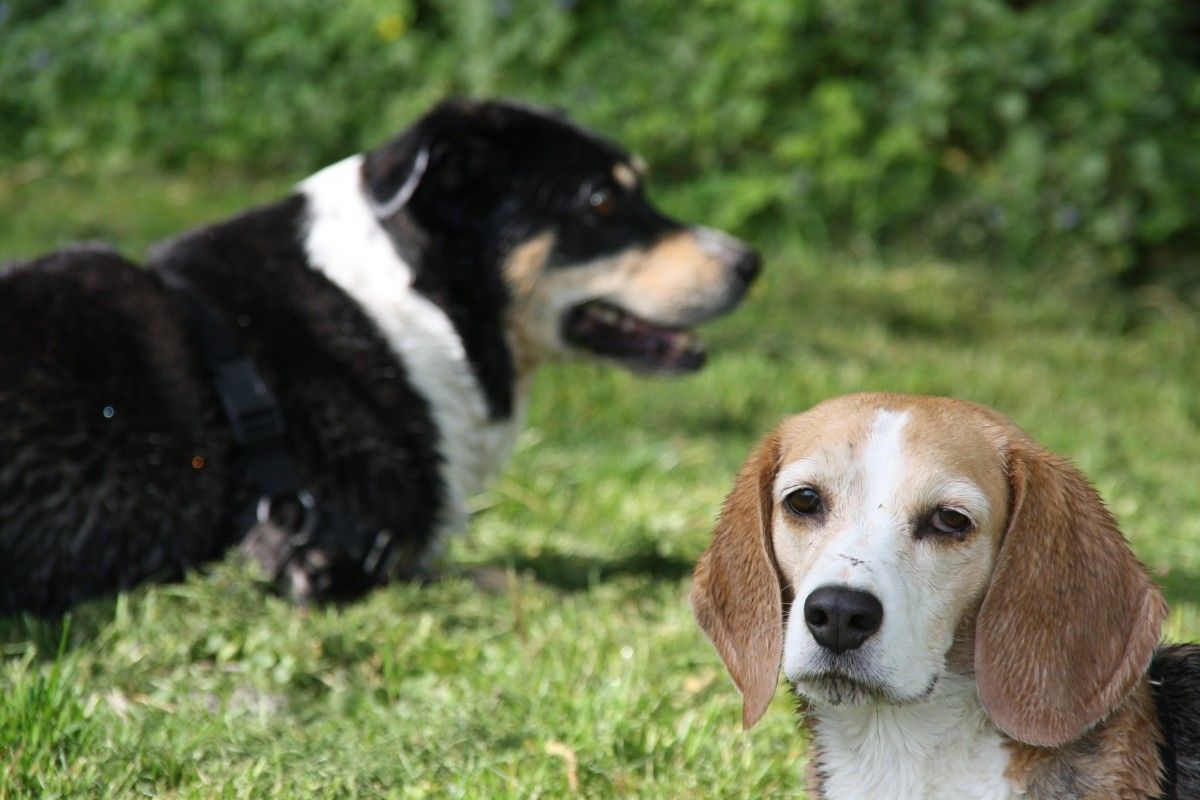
(1029, 134)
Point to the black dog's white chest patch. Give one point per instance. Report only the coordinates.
(344, 240)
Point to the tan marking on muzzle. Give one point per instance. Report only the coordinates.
(522, 270)
(524, 266)
(671, 282)
(677, 264)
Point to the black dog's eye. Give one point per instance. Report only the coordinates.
(603, 201)
(947, 520)
(803, 501)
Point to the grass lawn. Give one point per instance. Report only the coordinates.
(585, 673)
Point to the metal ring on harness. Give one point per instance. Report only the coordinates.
(308, 504)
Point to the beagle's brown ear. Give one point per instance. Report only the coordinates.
(1070, 620)
(736, 595)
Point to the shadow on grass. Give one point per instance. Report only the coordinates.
(89, 621)
(575, 573)
(47, 636)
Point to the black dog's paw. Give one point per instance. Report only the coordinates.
(319, 568)
(282, 559)
(269, 546)
(309, 577)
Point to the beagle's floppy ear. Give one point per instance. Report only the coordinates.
(736, 594)
(1070, 620)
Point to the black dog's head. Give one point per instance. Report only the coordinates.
(518, 201)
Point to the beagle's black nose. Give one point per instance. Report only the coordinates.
(841, 618)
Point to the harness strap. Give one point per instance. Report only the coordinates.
(250, 408)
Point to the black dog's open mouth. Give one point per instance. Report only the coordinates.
(606, 330)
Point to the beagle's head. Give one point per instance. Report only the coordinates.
(878, 544)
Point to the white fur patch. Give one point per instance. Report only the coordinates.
(346, 242)
(884, 459)
(944, 748)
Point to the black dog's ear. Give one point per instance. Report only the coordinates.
(454, 146)
(394, 172)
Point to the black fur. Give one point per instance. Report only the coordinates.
(104, 406)
(116, 465)
(1175, 677)
(109, 411)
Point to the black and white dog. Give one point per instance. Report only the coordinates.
(396, 305)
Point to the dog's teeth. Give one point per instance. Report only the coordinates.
(685, 343)
(607, 315)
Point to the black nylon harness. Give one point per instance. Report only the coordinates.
(251, 409)
(291, 524)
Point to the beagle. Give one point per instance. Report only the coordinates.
(954, 607)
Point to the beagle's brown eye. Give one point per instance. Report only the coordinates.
(603, 201)
(803, 501)
(947, 520)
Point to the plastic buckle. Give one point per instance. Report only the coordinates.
(249, 405)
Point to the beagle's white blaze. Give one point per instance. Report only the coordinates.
(884, 459)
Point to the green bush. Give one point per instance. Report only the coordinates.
(1064, 130)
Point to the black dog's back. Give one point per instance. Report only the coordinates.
(1175, 676)
(117, 463)
(107, 437)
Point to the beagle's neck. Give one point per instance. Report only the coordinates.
(947, 747)
(1117, 760)
(942, 747)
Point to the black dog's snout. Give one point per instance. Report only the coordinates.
(747, 265)
(842, 619)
